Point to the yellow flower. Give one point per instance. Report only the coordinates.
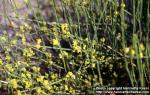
(132, 52)
(48, 55)
(70, 75)
(141, 46)
(116, 13)
(3, 39)
(66, 87)
(28, 84)
(78, 49)
(64, 26)
(63, 54)
(75, 43)
(23, 75)
(141, 55)
(8, 58)
(87, 62)
(9, 68)
(26, 25)
(65, 29)
(84, 3)
(93, 65)
(13, 42)
(93, 57)
(84, 46)
(23, 40)
(38, 43)
(44, 29)
(68, 2)
(55, 42)
(14, 83)
(40, 79)
(26, 1)
(102, 39)
(45, 82)
(54, 76)
(28, 75)
(28, 52)
(72, 91)
(22, 28)
(38, 90)
(126, 50)
(56, 33)
(23, 69)
(49, 88)
(123, 5)
(18, 92)
(1, 62)
(35, 69)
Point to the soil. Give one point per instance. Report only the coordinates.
(12, 7)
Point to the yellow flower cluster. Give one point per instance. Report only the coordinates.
(66, 87)
(65, 28)
(63, 54)
(76, 47)
(18, 92)
(14, 83)
(25, 27)
(69, 2)
(36, 69)
(28, 52)
(40, 79)
(130, 51)
(54, 76)
(38, 44)
(84, 2)
(55, 42)
(13, 42)
(39, 90)
(9, 68)
(28, 84)
(123, 5)
(69, 89)
(70, 75)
